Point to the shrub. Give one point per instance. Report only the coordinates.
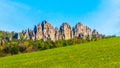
(22, 48)
(11, 48)
(30, 49)
(58, 43)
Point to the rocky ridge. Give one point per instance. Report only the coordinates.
(46, 31)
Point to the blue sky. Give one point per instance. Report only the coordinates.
(103, 15)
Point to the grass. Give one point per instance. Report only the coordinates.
(99, 54)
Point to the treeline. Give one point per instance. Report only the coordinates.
(11, 46)
(15, 46)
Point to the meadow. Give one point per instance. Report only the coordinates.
(103, 53)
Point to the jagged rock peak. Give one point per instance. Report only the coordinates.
(79, 24)
(66, 24)
(38, 32)
(46, 31)
(65, 31)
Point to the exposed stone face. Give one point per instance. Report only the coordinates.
(82, 31)
(57, 34)
(88, 31)
(79, 30)
(73, 33)
(38, 32)
(26, 34)
(32, 34)
(65, 31)
(48, 31)
(95, 34)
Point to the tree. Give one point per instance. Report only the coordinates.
(58, 43)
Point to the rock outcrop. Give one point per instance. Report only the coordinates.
(65, 30)
(46, 31)
(82, 31)
(79, 30)
(26, 34)
(38, 32)
(57, 34)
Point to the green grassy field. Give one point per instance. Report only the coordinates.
(99, 54)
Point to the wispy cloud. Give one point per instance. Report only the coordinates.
(107, 17)
(17, 16)
(14, 16)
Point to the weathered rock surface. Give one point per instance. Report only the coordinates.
(57, 34)
(26, 34)
(79, 30)
(46, 31)
(38, 32)
(82, 31)
(66, 31)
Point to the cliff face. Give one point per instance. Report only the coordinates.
(79, 30)
(46, 31)
(26, 34)
(57, 34)
(82, 31)
(65, 31)
(38, 32)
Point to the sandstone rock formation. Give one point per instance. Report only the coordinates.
(38, 32)
(46, 31)
(57, 34)
(79, 30)
(31, 34)
(26, 34)
(65, 31)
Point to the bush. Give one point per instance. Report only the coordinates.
(30, 49)
(49, 44)
(70, 42)
(58, 43)
(22, 48)
(11, 48)
(15, 50)
(39, 44)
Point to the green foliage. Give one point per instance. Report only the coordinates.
(12, 49)
(22, 48)
(97, 54)
(58, 43)
(70, 42)
(49, 44)
(14, 46)
(42, 45)
(39, 44)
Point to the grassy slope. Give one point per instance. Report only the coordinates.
(101, 54)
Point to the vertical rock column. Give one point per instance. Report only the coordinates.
(65, 31)
(38, 32)
(48, 31)
(79, 30)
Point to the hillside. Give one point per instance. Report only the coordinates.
(98, 54)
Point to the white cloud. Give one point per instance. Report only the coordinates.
(107, 17)
(14, 16)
